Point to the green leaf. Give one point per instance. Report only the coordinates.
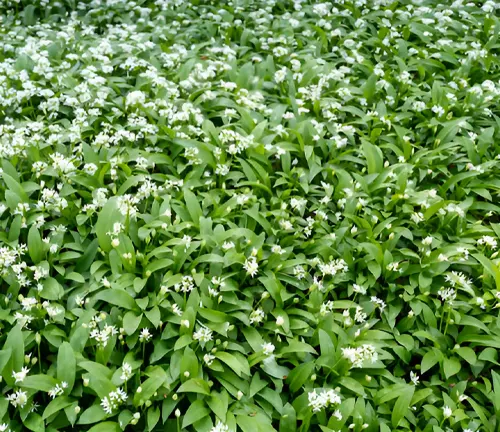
(52, 290)
(299, 375)
(193, 206)
(496, 391)
(295, 346)
(402, 405)
(93, 414)
(108, 215)
(451, 366)
(56, 405)
(14, 343)
(218, 403)
(106, 427)
(288, 421)
(194, 385)
(489, 267)
(153, 417)
(35, 245)
(66, 365)
(237, 363)
(467, 354)
(39, 382)
(196, 411)
(373, 156)
(29, 17)
(34, 422)
(131, 322)
(117, 297)
(428, 361)
(157, 378)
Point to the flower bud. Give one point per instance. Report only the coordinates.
(38, 338)
(186, 374)
(85, 382)
(139, 389)
(77, 409)
(177, 413)
(239, 395)
(175, 397)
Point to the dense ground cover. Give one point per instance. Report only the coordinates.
(249, 215)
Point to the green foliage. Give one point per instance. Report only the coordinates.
(249, 216)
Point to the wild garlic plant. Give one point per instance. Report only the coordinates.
(249, 215)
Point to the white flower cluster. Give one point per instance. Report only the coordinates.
(102, 336)
(323, 399)
(113, 400)
(359, 356)
(58, 390)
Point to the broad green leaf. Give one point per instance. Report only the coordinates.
(451, 366)
(193, 206)
(56, 405)
(66, 365)
(402, 405)
(237, 363)
(35, 245)
(196, 411)
(194, 385)
(107, 426)
(117, 297)
(154, 382)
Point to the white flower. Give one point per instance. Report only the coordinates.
(176, 309)
(58, 390)
(203, 335)
(18, 398)
(257, 316)
(126, 372)
(489, 241)
(447, 412)
(378, 302)
(427, 241)
(135, 98)
(145, 335)
(186, 285)
(359, 289)
(220, 427)
(319, 401)
(251, 266)
(113, 400)
(280, 75)
(227, 245)
(280, 321)
(414, 378)
(358, 356)
(19, 376)
(208, 359)
(268, 348)
(447, 295)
